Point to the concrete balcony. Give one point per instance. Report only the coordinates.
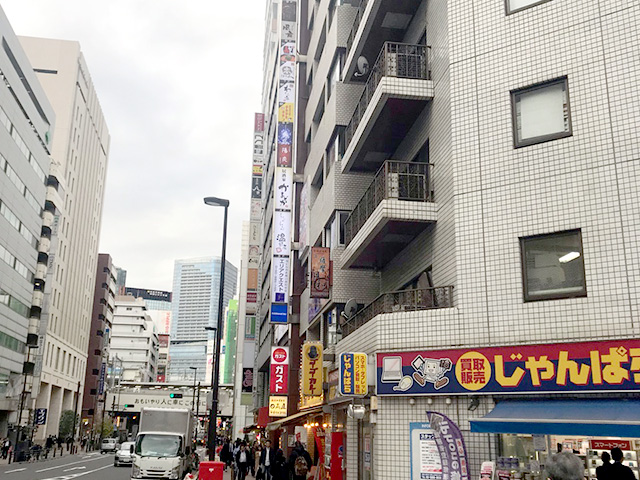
(397, 91)
(397, 207)
(400, 301)
(376, 22)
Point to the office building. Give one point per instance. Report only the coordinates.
(121, 281)
(28, 199)
(134, 340)
(471, 168)
(80, 150)
(158, 305)
(196, 284)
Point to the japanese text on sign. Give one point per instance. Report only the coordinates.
(353, 374)
(312, 369)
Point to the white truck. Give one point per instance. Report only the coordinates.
(164, 444)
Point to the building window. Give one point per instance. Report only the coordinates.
(553, 266)
(541, 113)
(514, 6)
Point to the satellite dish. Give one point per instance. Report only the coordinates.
(350, 309)
(362, 67)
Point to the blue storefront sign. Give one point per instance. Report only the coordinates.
(41, 416)
(279, 313)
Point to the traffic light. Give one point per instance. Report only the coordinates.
(175, 395)
(129, 405)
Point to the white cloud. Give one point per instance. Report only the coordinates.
(178, 83)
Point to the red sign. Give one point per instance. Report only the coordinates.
(252, 297)
(279, 380)
(337, 455)
(609, 444)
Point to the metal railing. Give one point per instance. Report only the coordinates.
(400, 60)
(401, 301)
(399, 180)
(356, 24)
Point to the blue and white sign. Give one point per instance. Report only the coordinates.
(41, 416)
(103, 370)
(279, 313)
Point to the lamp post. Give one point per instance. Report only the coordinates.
(215, 377)
(195, 374)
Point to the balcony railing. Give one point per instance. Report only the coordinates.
(401, 301)
(398, 180)
(398, 60)
(356, 24)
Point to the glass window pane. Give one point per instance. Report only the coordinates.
(554, 266)
(541, 112)
(520, 4)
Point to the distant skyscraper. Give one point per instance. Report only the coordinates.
(158, 303)
(121, 280)
(196, 284)
(80, 151)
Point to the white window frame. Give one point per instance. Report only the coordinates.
(533, 3)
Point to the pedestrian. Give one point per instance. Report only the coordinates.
(564, 466)
(255, 466)
(267, 457)
(618, 470)
(603, 472)
(299, 462)
(225, 453)
(6, 446)
(243, 461)
(279, 470)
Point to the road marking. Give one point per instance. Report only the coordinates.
(74, 468)
(16, 470)
(68, 464)
(80, 474)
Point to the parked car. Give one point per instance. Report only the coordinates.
(123, 454)
(108, 445)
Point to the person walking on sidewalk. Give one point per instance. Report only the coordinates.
(267, 457)
(243, 461)
(299, 462)
(6, 446)
(279, 470)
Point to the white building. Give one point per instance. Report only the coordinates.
(80, 151)
(134, 340)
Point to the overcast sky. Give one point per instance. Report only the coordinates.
(179, 82)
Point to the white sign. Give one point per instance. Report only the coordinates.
(280, 284)
(283, 192)
(425, 457)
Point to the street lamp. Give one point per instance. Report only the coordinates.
(195, 374)
(213, 414)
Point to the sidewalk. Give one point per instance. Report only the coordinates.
(42, 459)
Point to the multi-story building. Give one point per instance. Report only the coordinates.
(80, 150)
(472, 168)
(158, 303)
(121, 281)
(196, 284)
(134, 340)
(163, 357)
(98, 353)
(26, 186)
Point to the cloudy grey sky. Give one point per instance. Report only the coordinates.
(178, 82)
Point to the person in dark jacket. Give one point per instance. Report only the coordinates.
(603, 472)
(267, 457)
(279, 470)
(618, 470)
(243, 461)
(226, 456)
(299, 462)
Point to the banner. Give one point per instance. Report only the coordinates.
(453, 453)
(560, 368)
(279, 378)
(312, 369)
(353, 374)
(337, 455)
(320, 272)
(255, 214)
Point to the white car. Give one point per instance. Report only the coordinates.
(124, 455)
(108, 445)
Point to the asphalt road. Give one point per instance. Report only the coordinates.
(91, 466)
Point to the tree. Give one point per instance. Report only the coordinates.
(65, 428)
(107, 428)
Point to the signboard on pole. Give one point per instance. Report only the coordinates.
(312, 369)
(353, 374)
(279, 378)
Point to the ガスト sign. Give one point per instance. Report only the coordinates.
(587, 366)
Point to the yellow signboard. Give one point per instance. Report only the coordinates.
(312, 369)
(285, 113)
(278, 406)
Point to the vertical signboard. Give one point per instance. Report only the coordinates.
(279, 378)
(353, 374)
(255, 214)
(103, 371)
(312, 369)
(283, 185)
(320, 272)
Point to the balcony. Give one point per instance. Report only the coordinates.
(400, 301)
(377, 21)
(397, 91)
(384, 222)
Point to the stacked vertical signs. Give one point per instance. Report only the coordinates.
(279, 381)
(283, 185)
(255, 215)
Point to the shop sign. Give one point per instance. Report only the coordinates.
(277, 406)
(320, 272)
(425, 458)
(312, 369)
(609, 444)
(279, 313)
(353, 374)
(247, 380)
(453, 454)
(337, 455)
(279, 378)
(585, 367)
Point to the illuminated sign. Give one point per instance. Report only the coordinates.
(278, 406)
(353, 374)
(312, 369)
(561, 368)
(279, 378)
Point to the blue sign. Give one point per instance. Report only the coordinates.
(41, 416)
(103, 370)
(279, 312)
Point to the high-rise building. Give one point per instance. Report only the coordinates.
(134, 341)
(158, 303)
(80, 151)
(121, 280)
(196, 284)
(98, 353)
(27, 122)
(468, 172)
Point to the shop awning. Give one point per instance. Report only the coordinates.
(595, 418)
(286, 420)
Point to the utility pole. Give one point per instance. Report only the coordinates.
(75, 412)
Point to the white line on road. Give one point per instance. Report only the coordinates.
(74, 468)
(16, 470)
(68, 464)
(75, 475)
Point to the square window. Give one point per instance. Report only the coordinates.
(541, 113)
(514, 6)
(553, 266)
